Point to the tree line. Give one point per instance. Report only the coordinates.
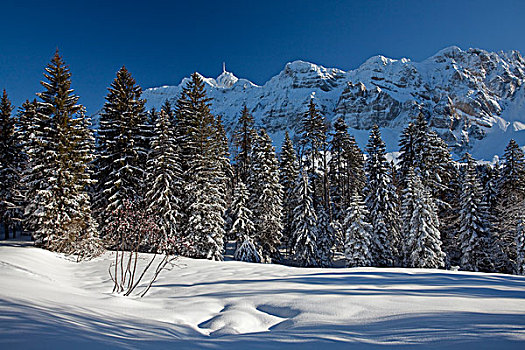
(171, 182)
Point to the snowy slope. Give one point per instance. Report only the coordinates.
(473, 98)
(48, 301)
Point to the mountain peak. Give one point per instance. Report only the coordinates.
(226, 79)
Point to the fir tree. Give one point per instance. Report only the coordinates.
(326, 237)
(243, 228)
(223, 158)
(313, 149)
(122, 151)
(243, 140)
(346, 166)
(358, 242)
(407, 210)
(474, 236)
(511, 196)
(10, 162)
(288, 175)
(382, 203)
(60, 149)
(266, 197)
(165, 179)
(166, 108)
(203, 160)
(424, 151)
(305, 225)
(422, 239)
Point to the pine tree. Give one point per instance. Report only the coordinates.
(223, 158)
(122, 146)
(10, 162)
(511, 196)
(346, 174)
(422, 239)
(326, 237)
(407, 210)
(288, 175)
(203, 161)
(382, 203)
(165, 179)
(422, 150)
(60, 149)
(266, 197)
(408, 151)
(313, 149)
(243, 137)
(305, 225)
(474, 235)
(243, 228)
(346, 166)
(358, 242)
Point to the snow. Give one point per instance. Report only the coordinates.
(49, 301)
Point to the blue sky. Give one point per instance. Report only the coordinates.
(163, 41)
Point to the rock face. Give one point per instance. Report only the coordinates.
(469, 97)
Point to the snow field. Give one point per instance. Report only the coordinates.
(49, 301)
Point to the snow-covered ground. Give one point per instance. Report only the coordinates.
(49, 301)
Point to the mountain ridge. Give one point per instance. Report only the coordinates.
(473, 98)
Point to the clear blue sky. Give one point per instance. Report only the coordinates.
(163, 41)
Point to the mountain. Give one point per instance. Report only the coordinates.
(474, 99)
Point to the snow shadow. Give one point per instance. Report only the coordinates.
(373, 283)
(24, 326)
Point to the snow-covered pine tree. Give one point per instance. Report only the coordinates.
(520, 246)
(122, 149)
(243, 228)
(266, 197)
(326, 237)
(87, 243)
(346, 172)
(511, 197)
(223, 157)
(358, 242)
(382, 203)
(288, 175)
(474, 235)
(58, 176)
(408, 152)
(305, 234)
(164, 180)
(32, 134)
(167, 108)
(203, 203)
(10, 162)
(422, 239)
(407, 210)
(422, 150)
(314, 155)
(490, 179)
(313, 147)
(243, 137)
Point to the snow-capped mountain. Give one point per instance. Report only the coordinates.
(475, 99)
